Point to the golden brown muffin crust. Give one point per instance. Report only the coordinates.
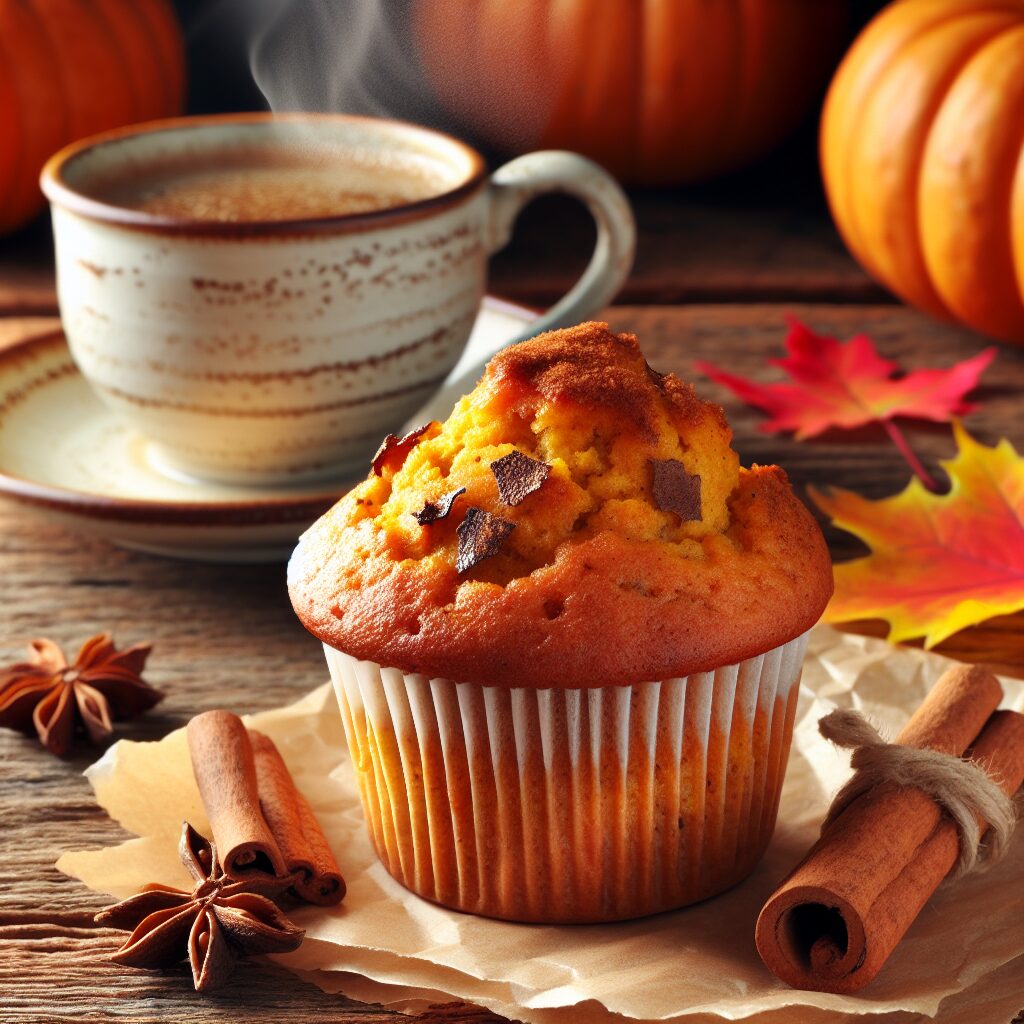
(595, 584)
(590, 366)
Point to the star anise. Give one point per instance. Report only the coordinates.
(58, 699)
(220, 921)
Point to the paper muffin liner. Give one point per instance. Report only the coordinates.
(562, 805)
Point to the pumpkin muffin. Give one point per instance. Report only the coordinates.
(566, 629)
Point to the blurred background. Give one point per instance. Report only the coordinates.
(721, 162)
(709, 111)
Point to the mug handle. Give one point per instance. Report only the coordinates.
(510, 188)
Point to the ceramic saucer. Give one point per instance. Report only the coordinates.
(64, 453)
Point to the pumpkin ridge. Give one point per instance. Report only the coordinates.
(638, 41)
(79, 37)
(1017, 217)
(170, 47)
(922, 155)
(638, 85)
(10, 155)
(850, 91)
(135, 41)
(71, 68)
(46, 43)
(158, 57)
(733, 126)
(938, 99)
(35, 93)
(116, 50)
(1005, 316)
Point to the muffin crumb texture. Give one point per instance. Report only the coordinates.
(617, 484)
(587, 406)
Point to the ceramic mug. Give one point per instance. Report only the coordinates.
(263, 352)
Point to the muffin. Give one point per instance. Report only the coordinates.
(566, 628)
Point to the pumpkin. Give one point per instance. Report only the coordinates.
(661, 92)
(70, 68)
(922, 152)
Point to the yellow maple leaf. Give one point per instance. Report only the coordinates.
(938, 562)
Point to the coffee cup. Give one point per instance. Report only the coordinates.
(263, 297)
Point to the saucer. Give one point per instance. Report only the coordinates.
(68, 456)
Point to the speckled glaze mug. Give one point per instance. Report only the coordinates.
(264, 352)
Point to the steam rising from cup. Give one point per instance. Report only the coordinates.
(354, 57)
(392, 58)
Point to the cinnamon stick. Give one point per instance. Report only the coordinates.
(835, 920)
(293, 823)
(225, 771)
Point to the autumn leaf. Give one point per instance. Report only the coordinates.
(938, 563)
(848, 384)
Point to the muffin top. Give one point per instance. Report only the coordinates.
(578, 520)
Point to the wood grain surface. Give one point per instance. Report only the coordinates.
(224, 636)
(707, 249)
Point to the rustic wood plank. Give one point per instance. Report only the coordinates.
(225, 636)
(695, 247)
(20, 328)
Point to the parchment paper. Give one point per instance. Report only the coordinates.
(695, 965)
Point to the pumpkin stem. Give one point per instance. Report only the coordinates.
(897, 438)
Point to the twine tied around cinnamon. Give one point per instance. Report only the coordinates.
(962, 788)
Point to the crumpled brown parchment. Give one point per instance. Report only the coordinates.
(965, 953)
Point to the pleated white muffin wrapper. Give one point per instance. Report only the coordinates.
(570, 804)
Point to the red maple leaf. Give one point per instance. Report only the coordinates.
(848, 384)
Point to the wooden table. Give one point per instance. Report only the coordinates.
(714, 278)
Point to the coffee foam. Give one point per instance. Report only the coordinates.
(273, 181)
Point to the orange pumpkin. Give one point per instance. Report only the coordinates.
(922, 151)
(69, 68)
(661, 92)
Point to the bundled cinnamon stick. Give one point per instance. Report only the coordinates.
(835, 920)
(225, 772)
(298, 833)
(260, 821)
